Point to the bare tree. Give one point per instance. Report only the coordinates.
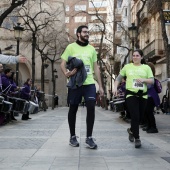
(51, 45)
(54, 51)
(44, 39)
(36, 17)
(13, 4)
(159, 7)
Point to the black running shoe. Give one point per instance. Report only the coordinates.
(74, 142)
(90, 143)
(137, 143)
(131, 137)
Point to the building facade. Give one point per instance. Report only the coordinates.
(150, 35)
(25, 70)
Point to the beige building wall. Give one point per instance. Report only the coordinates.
(7, 39)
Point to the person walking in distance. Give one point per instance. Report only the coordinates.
(26, 95)
(81, 50)
(138, 75)
(152, 102)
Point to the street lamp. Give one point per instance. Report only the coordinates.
(133, 34)
(111, 59)
(105, 91)
(18, 30)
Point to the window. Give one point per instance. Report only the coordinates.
(125, 12)
(66, 19)
(119, 26)
(94, 17)
(80, 7)
(98, 4)
(80, 19)
(67, 8)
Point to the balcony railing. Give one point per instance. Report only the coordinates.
(118, 15)
(117, 39)
(117, 57)
(100, 10)
(152, 8)
(144, 17)
(154, 49)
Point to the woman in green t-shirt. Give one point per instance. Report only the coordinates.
(138, 76)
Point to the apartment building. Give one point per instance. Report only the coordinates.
(85, 12)
(150, 35)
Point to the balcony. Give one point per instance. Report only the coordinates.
(152, 8)
(143, 17)
(154, 51)
(116, 68)
(117, 58)
(118, 15)
(117, 39)
(101, 10)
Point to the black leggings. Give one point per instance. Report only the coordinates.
(136, 107)
(150, 118)
(89, 119)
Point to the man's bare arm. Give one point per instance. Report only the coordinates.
(66, 72)
(97, 74)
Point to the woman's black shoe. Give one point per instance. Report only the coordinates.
(13, 119)
(24, 117)
(152, 130)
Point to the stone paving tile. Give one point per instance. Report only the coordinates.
(39, 126)
(36, 166)
(26, 133)
(106, 133)
(21, 143)
(18, 153)
(66, 162)
(64, 167)
(42, 143)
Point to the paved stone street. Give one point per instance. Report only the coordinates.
(42, 144)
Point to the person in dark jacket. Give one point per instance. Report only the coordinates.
(26, 94)
(13, 92)
(6, 82)
(56, 100)
(152, 102)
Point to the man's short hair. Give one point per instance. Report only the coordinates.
(79, 29)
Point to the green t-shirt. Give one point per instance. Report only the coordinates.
(132, 73)
(87, 54)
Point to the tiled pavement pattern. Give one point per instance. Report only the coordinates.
(42, 144)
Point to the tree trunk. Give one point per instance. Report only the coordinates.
(165, 40)
(53, 83)
(33, 58)
(42, 75)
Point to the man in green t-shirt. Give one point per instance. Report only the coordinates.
(85, 52)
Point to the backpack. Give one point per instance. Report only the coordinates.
(157, 86)
(165, 102)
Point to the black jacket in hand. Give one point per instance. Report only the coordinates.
(77, 79)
